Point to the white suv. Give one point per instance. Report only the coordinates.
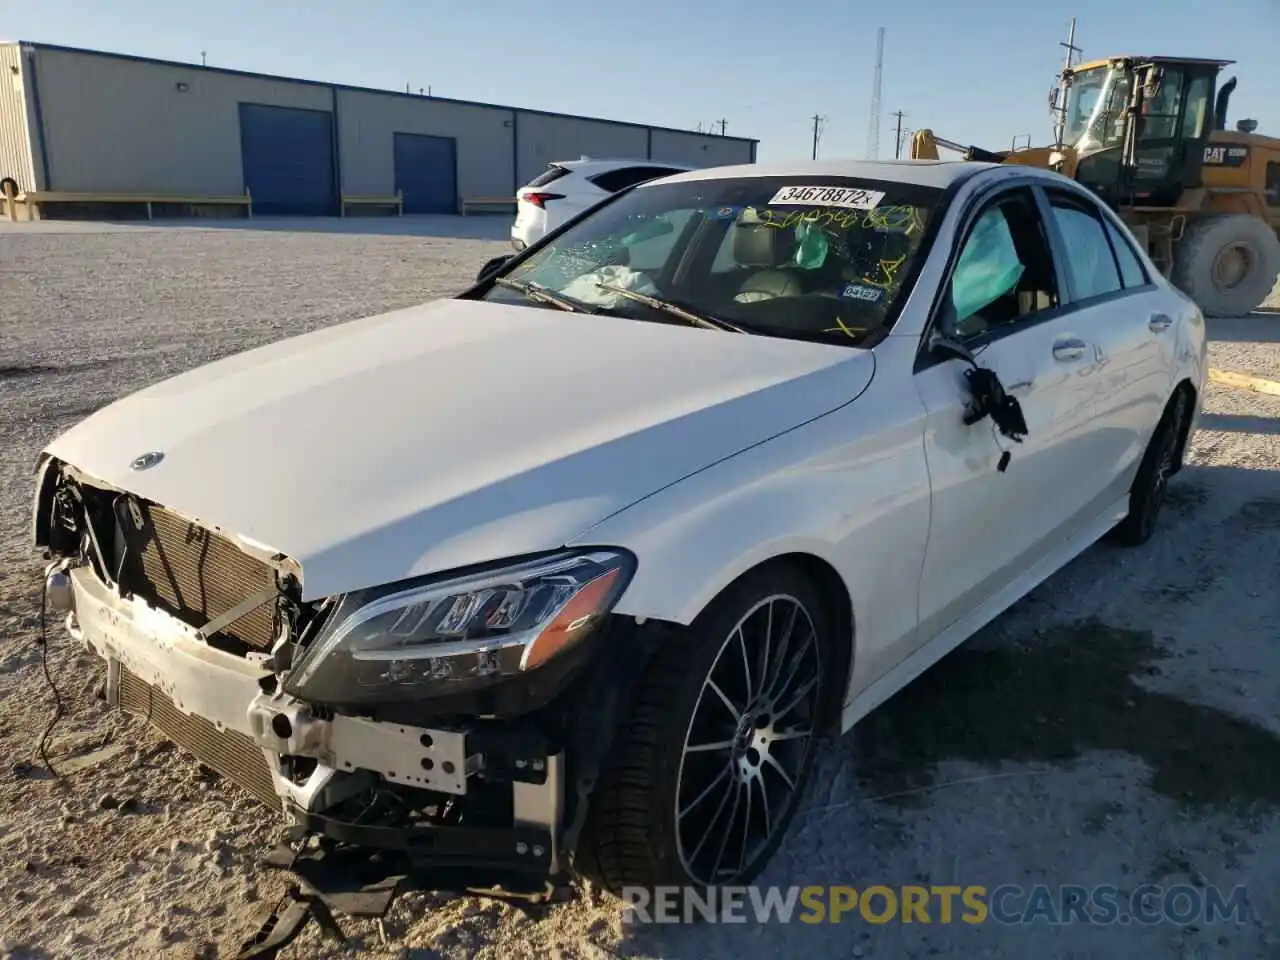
(568, 187)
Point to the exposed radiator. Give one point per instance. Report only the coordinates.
(197, 574)
(232, 754)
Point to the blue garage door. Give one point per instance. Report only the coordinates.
(288, 159)
(427, 173)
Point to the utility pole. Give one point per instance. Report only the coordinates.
(897, 137)
(873, 129)
(818, 120)
(1072, 50)
(204, 58)
(723, 124)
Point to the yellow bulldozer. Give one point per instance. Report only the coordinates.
(1148, 135)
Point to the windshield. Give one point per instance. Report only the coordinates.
(1096, 101)
(823, 259)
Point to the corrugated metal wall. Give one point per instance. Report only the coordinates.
(119, 124)
(699, 150)
(15, 143)
(114, 125)
(367, 124)
(543, 139)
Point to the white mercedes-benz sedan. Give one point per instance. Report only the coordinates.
(567, 574)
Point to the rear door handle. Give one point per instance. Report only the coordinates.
(1159, 322)
(1069, 348)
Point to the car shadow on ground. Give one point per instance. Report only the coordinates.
(1261, 326)
(1239, 423)
(1024, 701)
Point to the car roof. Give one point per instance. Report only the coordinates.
(591, 165)
(925, 173)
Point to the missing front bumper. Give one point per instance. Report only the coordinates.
(317, 767)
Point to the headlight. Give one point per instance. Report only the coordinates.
(452, 635)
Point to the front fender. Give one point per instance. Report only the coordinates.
(850, 488)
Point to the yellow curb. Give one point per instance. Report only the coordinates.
(1245, 382)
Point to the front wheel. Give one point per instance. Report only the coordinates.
(715, 755)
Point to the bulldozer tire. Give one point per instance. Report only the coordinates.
(1228, 264)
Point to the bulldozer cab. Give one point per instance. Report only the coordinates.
(1139, 126)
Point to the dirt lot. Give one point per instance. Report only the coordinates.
(1119, 726)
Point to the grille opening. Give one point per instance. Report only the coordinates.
(186, 570)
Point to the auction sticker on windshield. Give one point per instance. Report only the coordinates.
(817, 196)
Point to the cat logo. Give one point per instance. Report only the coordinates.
(1220, 155)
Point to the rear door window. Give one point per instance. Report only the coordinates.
(1131, 270)
(1089, 260)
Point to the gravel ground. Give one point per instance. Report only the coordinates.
(1117, 726)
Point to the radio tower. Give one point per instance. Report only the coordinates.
(873, 130)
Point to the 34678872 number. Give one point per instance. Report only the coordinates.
(824, 196)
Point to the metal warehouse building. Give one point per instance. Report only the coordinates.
(92, 122)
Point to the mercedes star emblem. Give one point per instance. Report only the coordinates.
(147, 460)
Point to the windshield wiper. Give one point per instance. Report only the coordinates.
(543, 295)
(684, 313)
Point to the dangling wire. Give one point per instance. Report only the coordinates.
(48, 677)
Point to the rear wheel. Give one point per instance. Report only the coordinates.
(1151, 484)
(1228, 264)
(717, 751)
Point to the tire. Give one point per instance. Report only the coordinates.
(635, 834)
(1151, 483)
(1228, 264)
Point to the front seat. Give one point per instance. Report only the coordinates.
(766, 248)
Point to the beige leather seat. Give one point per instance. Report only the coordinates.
(767, 249)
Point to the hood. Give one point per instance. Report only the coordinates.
(453, 433)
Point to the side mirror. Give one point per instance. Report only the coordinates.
(941, 345)
(1053, 99)
(491, 267)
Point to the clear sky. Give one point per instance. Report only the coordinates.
(977, 72)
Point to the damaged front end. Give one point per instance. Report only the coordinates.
(443, 733)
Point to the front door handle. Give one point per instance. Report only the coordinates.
(1159, 322)
(1069, 349)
